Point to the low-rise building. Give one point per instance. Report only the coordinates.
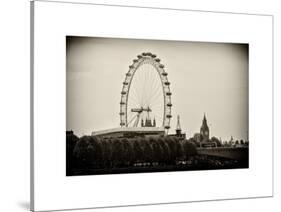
(130, 132)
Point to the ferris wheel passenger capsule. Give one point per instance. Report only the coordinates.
(167, 83)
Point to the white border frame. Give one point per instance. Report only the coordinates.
(52, 190)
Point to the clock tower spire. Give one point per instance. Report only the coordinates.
(204, 130)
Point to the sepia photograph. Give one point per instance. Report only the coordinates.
(152, 105)
(140, 105)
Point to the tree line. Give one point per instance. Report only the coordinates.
(94, 152)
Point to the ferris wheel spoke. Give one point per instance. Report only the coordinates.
(157, 92)
(159, 120)
(133, 104)
(158, 117)
(157, 95)
(134, 117)
(137, 94)
(134, 97)
(155, 83)
(157, 106)
(148, 89)
(153, 93)
(157, 109)
(144, 84)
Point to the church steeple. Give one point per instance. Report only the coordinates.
(204, 131)
(178, 129)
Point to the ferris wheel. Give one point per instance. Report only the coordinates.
(146, 96)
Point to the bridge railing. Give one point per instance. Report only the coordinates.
(236, 153)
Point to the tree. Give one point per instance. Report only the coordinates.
(71, 141)
(88, 150)
(106, 146)
(128, 155)
(189, 149)
(147, 151)
(137, 151)
(117, 153)
(217, 141)
(173, 149)
(157, 150)
(165, 156)
(194, 141)
(179, 148)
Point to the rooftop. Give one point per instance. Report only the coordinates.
(129, 129)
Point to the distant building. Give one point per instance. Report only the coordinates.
(203, 138)
(204, 135)
(179, 133)
(197, 137)
(231, 141)
(130, 132)
(148, 123)
(204, 130)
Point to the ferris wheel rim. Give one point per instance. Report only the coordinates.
(146, 58)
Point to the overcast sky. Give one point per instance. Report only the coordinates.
(209, 78)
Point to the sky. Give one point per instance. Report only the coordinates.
(205, 77)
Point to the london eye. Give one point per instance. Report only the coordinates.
(146, 95)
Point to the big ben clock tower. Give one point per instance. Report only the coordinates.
(204, 130)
